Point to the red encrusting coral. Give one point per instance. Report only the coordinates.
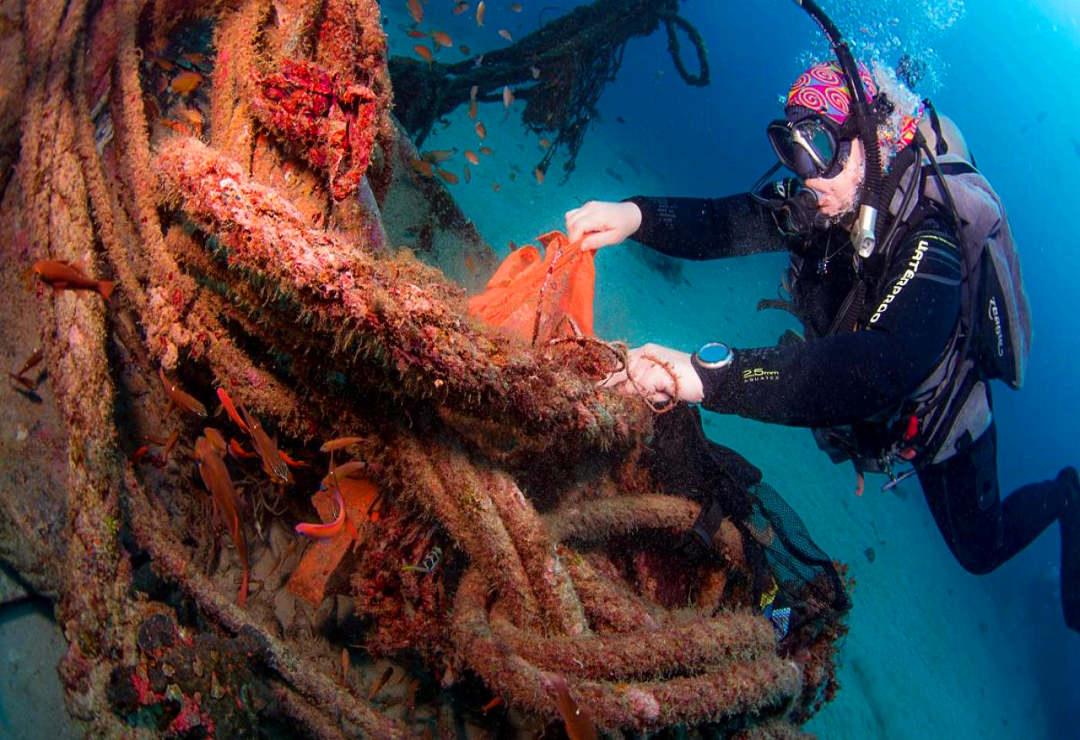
(328, 121)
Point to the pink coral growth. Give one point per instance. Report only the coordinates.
(192, 715)
(329, 120)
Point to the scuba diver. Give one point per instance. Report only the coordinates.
(903, 274)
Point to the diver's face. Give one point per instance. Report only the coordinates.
(839, 195)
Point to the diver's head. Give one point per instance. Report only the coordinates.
(818, 140)
(838, 194)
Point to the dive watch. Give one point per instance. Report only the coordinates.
(712, 356)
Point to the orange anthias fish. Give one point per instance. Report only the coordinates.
(480, 13)
(186, 82)
(215, 477)
(423, 52)
(508, 96)
(515, 7)
(442, 38)
(267, 450)
(62, 275)
(439, 155)
(179, 397)
(216, 438)
(460, 8)
(230, 409)
(340, 443)
(471, 156)
(423, 167)
(31, 362)
(447, 175)
(331, 528)
(237, 450)
(578, 724)
(340, 472)
(192, 116)
(481, 131)
(416, 10)
(506, 35)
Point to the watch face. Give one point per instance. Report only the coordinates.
(713, 355)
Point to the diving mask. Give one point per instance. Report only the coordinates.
(811, 147)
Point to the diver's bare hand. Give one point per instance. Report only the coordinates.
(602, 223)
(660, 374)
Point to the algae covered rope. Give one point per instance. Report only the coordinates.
(216, 268)
(396, 326)
(559, 71)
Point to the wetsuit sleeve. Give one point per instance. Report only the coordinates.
(705, 228)
(844, 378)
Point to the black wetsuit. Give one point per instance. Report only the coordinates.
(856, 377)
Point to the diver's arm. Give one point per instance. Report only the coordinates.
(843, 378)
(705, 228)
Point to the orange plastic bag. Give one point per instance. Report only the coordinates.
(541, 299)
(324, 563)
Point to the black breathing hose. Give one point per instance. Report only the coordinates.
(873, 192)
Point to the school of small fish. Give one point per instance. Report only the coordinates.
(428, 163)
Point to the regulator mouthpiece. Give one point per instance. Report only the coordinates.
(862, 233)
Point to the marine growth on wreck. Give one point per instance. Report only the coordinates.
(295, 486)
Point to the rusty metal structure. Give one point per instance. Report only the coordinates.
(236, 169)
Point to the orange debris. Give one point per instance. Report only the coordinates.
(323, 564)
(533, 297)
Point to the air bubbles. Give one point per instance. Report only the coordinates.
(893, 30)
(943, 14)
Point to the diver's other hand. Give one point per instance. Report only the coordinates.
(660, 374)
(602, 223)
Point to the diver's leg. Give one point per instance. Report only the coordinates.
(1070, 547)
(982, 530)
(964, 501)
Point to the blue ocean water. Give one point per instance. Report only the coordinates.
(1005, 71)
